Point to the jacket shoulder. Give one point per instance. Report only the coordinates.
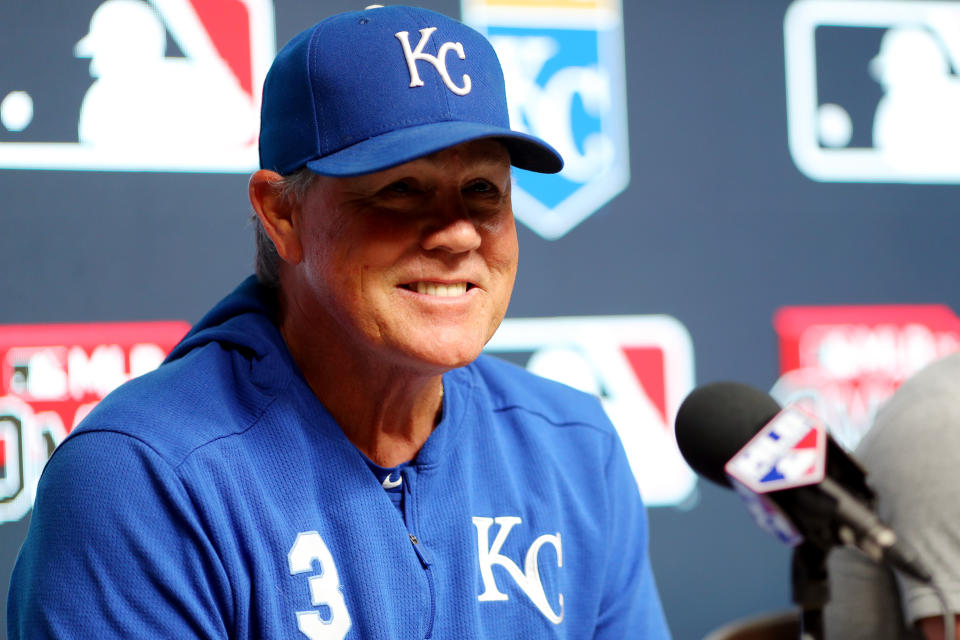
(184, 404)
(512, 387)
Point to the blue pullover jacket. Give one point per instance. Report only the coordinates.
(217, 498)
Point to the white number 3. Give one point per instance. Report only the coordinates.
(324, 589)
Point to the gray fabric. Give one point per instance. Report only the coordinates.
(912, 456)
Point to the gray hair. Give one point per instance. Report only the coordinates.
(293, 188)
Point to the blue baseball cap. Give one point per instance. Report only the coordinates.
(368, 90)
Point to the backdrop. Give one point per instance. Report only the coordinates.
(761, 191)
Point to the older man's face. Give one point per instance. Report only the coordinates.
(411, 266)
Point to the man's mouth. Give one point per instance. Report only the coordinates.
(439, 289)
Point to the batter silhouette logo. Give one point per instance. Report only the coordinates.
(790, 451)
(164, 85)
(641, 368)
(51, 377)
(873, 89)
(564, 69)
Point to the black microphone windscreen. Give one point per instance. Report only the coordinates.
(716, 420)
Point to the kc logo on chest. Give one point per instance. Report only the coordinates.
(529, 579)
(438, 61)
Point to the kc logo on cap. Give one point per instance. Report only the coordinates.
(438, 61)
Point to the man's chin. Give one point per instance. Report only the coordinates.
(447, 354)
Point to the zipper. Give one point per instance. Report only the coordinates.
(424, 557)
(421, 550)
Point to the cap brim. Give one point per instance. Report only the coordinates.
(403, 145)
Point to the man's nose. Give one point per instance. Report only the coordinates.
(453, 231)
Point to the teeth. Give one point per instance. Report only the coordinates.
(441, 290)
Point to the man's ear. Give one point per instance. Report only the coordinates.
(277, 214)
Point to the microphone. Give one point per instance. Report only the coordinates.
(797, 481)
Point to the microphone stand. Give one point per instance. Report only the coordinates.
(811, 588)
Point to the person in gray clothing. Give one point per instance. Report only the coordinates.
(912, 457)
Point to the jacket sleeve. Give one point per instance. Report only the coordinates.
(630, 606)
(863, 602)
(115, 550)
(911, 454)
(913, 465)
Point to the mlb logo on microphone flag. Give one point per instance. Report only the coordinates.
(790, 451)
(136, 85)
(563, 64)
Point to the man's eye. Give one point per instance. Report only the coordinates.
(480, 186)
(400, 186)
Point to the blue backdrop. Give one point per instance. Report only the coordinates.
(720, 225)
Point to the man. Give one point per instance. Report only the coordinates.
(911, 454)
(325, 454)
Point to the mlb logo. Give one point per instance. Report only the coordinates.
(563, 64)
(135, 85)
(790, 451)
(641, 368)
(873, 90)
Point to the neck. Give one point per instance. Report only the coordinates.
(386, 411)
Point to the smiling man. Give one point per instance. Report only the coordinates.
(327, 454)
(405, 272)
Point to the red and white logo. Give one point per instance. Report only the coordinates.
(843, 362)
(51, 377)
(641, 368)
(148, 110)
(790, 451)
